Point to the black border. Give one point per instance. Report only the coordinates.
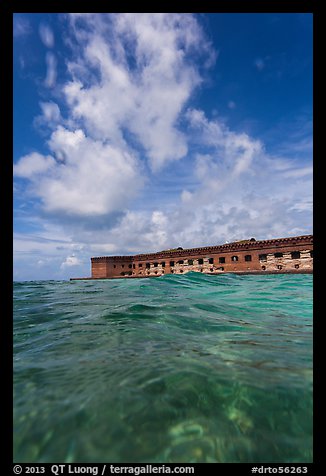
(7, 8)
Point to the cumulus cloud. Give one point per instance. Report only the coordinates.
(130, 78)
(32, 165)
(144, 78)
(88, 177)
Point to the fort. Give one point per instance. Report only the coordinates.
(280, 255)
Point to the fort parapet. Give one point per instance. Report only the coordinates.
(280, 255)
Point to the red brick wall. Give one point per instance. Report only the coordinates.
(128, 266)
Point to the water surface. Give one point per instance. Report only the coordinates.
(190, 368)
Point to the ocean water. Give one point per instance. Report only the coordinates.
(176, 369)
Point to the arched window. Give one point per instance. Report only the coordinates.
(235, 258)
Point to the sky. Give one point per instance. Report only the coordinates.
(141, 132)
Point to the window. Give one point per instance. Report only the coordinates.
(114, 266)
(201, 270)
(155, 272)
(181, 270)
(211, 260)
(211, 269)
(148, 265)
(263, 258)
(279, 266)
(200, 261)
(129, 265)
(122, 274)
(295, 254)
(163, 264)
(221, 260)
(155, 265)
(130, 273)
(296, 266)
(171, 263)
(278, 255)
(180, 261)
(248, 258)
(235, 258)
(311, 254)
(122, 266)
(172, 271)
(133, 266)
(190, 261)
(140, 265)
(263, 268)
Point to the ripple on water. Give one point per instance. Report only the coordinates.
(190, 368)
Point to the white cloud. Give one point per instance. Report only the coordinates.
(46, 35)
(50, 116)
(22, 27)
(70, 261)
(130, 80)
(51, 72)
(51, 111)
(32, 165)
(233, 151)
(232, 105)
(145, 95)
(89, 178)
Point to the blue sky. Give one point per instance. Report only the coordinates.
(141, 132)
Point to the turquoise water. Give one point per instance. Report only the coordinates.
(189, 368)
